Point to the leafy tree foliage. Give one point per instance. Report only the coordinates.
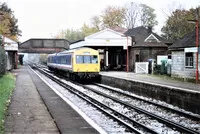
(73, 35)
(87, 30)
(147, 17)
(96, 22)
(177, 24)
(69, 34)
(8, 22)
(113, 16)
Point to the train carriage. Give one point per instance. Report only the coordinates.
(76, 63)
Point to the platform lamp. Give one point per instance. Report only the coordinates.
(197, 42)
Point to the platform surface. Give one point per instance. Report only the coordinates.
(36, 108)
(147, 78)
(27, 113)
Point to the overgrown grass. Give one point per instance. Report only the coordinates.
(7, 84)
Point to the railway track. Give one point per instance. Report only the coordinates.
(126, 116)
(194, 117)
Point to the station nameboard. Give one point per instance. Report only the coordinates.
(11, 47)
(190, 49)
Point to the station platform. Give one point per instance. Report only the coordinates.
(27, 113)
(35, 108)
(183, 95)
(151, 79)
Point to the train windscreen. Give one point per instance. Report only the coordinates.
(86, 59)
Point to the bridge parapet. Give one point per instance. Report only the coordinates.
(43, 46)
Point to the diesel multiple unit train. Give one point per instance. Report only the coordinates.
(79, 63)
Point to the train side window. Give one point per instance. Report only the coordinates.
(54, 59)
(58, 59)
(68, 59)
(63, 61)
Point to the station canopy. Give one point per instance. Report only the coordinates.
(104, 38)
(44, 46)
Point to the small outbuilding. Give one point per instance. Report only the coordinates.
(184, 56)
(11, 48)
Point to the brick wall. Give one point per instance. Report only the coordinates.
(144, 54)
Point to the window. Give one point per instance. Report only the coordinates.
(137, 58)
(62, 59)
(68, 59)
(87, 59)
(54, 59)
(189, 60)
(80, 59)
(94, 59)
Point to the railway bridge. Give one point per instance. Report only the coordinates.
(43, 46)
(15, 51)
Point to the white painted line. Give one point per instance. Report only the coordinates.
(91, 122)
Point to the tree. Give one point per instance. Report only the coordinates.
(113, 16)
(8, 23)
(87, 30)
(74, 35)
(131, 15)
(96, 22)
(177, 24)
(147, 16)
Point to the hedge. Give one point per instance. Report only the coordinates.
(2, 61)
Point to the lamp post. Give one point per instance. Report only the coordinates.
(197, 44)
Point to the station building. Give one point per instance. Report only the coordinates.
(121, 48)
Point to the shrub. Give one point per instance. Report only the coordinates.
(2, 61)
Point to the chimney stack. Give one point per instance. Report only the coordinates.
(149, 29)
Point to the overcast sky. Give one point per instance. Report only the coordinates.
(45, 18)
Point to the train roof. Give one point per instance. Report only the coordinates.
(72, 50)
(69, 51)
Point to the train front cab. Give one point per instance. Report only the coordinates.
(86, 63)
